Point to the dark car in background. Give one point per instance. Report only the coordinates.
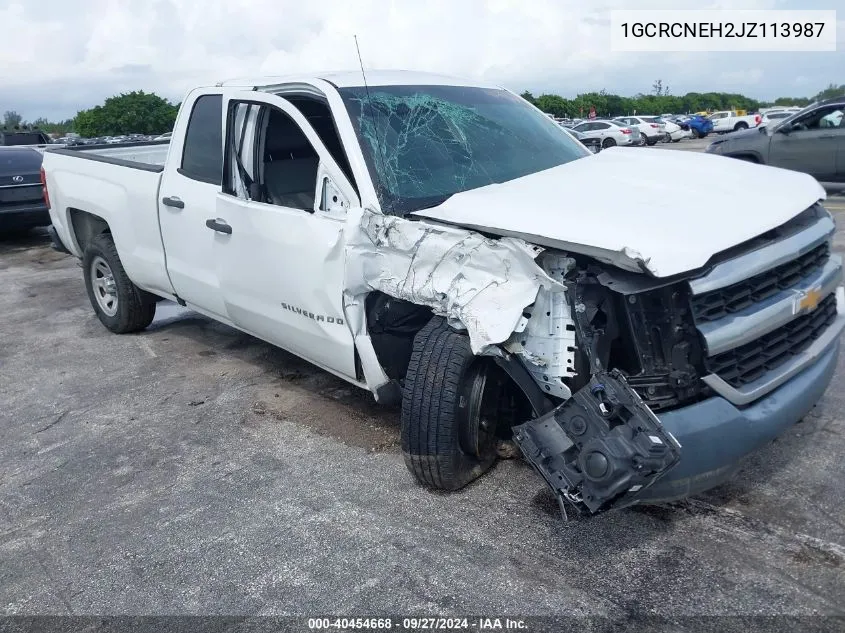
(810, 141)
(17, 136)
(592, 144)
(22, 203)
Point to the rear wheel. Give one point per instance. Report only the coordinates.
(449, 409)
(742, 125)
(120, 305)
(651, 140)
(608, 142)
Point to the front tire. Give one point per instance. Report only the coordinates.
(119, 304)
(448, 416)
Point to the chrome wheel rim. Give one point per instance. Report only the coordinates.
(104, 286)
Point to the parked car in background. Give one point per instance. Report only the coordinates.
(22, 203)
(591, 143)
(733, 121)
(648, 127)
(810, 141)
(609, 133)
(777, 115)
(672, 132)
(699, 126)
(163, 137)
(23, 137)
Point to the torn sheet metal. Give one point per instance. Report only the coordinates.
(479, 284)
(545, 338)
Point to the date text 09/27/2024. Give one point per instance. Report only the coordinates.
(418, 624)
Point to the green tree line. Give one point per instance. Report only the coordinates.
(136, 112)
(660, 101)
(147, 113)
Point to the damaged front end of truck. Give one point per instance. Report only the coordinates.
(645, 344)
(593, 350)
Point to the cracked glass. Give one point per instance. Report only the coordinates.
(424, 144)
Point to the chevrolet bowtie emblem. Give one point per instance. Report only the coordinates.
(810, 300)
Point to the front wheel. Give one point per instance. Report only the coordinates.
(119, 304)
(449, 409)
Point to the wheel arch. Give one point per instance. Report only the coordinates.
(85, 226)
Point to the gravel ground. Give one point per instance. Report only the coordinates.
(192, 469)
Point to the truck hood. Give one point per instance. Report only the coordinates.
(661, 211)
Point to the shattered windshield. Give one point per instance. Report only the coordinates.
(424, 144)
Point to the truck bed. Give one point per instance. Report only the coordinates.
(118, 183)
(148, 155)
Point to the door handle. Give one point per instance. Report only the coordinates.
(219, 225)
(173, 201)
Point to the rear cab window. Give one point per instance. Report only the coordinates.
(202, 154)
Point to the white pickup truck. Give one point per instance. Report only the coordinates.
(445, 245)
(731, 121)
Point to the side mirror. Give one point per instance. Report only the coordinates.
(785, 129)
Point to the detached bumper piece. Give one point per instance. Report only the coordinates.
(600, 448)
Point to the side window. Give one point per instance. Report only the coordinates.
(241, 150)
(582, 127)
(826, 117)
(600, 126)
(202, 156)
(288, 164)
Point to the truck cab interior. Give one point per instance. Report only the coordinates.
(286, 162)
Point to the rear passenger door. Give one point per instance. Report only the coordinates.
(278, 232)
(187, 197)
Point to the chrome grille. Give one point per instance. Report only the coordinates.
(753, 309)
(745, 364)
(716, 304)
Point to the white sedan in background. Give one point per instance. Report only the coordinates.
(610, 133)
(649, 127)
(671, 131)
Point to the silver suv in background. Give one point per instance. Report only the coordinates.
(811, 141)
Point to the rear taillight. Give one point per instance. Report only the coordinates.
(44, 188)
(625, 131)
(654, 125)
(757, 119)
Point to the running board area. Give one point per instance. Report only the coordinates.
(600, 448)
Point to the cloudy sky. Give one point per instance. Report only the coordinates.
(58, 56)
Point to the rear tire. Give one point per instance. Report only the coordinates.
(448, 437)
(608, 142)
(742, 125)
(651, 140)
(119, 304)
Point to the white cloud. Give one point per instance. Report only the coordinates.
(59, 56)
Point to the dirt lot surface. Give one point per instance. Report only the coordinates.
(191, 469)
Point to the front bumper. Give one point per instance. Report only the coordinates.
(715, 435)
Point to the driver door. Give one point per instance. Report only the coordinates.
(279, 232)
(810, 145)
